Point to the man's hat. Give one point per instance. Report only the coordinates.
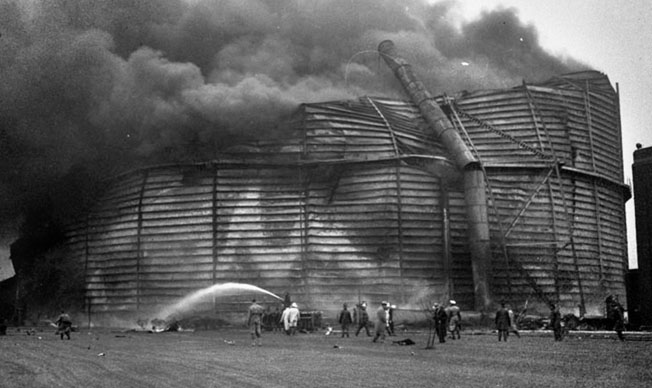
(384, 303)
(293, 305)
(453, 302)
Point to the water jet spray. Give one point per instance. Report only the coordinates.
(215, 290)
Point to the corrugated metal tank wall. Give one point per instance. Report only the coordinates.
(362, 204)
(539, 231)
(324, 236)
(554, 169)
(339, 217)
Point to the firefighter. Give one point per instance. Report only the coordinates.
(345, 320)
(454, 319)
(616, 316)
(254, 321)
(555, 322)
(382, 316)
(390, 320)
(363, 319)
(64, 325)
(513, 327)
(441, 320)
(503, 322)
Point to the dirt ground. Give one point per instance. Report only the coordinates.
(225, 358)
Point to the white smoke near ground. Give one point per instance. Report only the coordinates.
(90, 88)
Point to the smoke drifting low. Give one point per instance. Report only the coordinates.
(89, 88)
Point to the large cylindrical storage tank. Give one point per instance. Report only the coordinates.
(362, 202)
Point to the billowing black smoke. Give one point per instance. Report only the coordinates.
(89, 88)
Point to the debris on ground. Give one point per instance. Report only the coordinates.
(404, 342)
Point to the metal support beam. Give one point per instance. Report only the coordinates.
(139, 253)
(474, 183)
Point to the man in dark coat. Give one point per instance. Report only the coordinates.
(275, 320)
(363, 319)
(287, 300)
(345, 320)
(441, 321)
(555, 322)
(502, 322)
(616, 315)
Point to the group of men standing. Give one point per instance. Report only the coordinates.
(447, 319)
(384, 320)
(289, 318)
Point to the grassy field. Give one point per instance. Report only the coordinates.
(225, 358)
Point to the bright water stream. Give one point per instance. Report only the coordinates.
(216, 290)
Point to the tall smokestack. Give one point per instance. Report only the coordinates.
(474, 184)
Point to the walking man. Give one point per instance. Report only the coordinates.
(64, 324)
(512, 326)
(363, 319)
(382, 316)
(254, 321)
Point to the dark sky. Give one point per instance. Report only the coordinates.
(89, 88)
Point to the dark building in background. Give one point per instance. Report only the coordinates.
(641, 289)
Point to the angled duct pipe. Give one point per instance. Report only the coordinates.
(474, 185)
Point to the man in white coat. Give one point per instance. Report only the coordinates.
(290, 319)
(285, 321)
(382, 316)
(293, 318)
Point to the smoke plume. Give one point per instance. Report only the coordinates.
(89, 88)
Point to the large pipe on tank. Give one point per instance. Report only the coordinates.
(474, 184)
